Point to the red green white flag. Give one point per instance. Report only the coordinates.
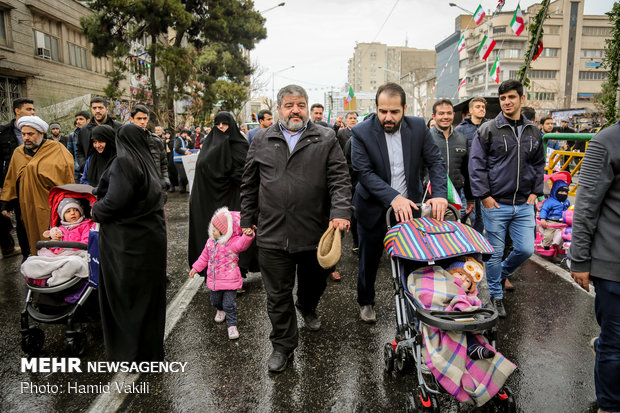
(461, 43)
(462, 84)
(486, 47)
(453, 196)
(350, 96)
(494, 74)
(517, 22)
(479, 14)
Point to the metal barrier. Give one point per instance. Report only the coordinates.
(566, 158)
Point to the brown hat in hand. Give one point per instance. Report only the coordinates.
(328, 253)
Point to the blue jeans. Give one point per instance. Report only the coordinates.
(519, 220)
(607, 346)
(224, 300)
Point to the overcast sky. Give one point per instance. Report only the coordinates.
(318, 36)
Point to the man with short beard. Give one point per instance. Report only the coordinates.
(387, 152)
(296, 180)
(99, 108)
(36, 166)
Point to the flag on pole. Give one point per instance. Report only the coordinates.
(453, 196)
(462, 84)
(539, 49)
(479, 14)
(500, 5)
(350, 96)
(486, 47)
(517, 22)
(494, 74)
(462, 43)
(329, 116)
(434, 86)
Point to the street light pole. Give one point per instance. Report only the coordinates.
(273, 83)
(271, 8)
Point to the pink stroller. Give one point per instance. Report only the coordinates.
(565, 225)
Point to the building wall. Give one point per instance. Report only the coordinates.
(47, 75)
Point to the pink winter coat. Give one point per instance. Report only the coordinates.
(221, 257)
(76, 234)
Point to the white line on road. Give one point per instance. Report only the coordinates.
(111, 402)
(561, 272)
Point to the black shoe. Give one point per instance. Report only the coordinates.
(311, 320)
(278, 361)
(499, 307)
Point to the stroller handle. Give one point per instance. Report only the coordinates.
(61, 244)
(389, 213)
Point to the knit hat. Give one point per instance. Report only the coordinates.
(34, 122)
(469, 268)
(220, 222)
(329, 250)
(54, 125)
(67, 203)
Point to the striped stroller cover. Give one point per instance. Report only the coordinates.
(427, 239)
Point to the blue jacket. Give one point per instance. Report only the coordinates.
(507, 162)
(552, 208)
(370, 160)
(468, 129)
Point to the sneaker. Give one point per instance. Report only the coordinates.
(335, 276)
(479, 352)
(220, 316)
(233, 333)
(499, 307)
(367, 314)
(15, 251)
(278, 361)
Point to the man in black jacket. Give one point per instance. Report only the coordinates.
(99, 108)
(594, 255)
(295, 184)
(11, 138)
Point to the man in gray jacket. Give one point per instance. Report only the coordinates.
(295, 184)
(594, 255)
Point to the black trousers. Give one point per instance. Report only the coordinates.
(278, 269)
(6, 239)
(172, 170)
(370, 253)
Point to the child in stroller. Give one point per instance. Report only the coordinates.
(553, 210)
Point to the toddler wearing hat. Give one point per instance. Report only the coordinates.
(221, 259)
(74, 227)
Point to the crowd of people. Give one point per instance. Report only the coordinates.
(261, 199)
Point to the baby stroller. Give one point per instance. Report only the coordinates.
(425, 242)
(64, 303)
(565, 225)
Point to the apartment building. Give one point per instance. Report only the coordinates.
(567, 74)
(45, 56)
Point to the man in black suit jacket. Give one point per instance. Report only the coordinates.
(388, 151)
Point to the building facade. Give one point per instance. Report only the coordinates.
(567, 74)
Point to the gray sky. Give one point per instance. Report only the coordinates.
(318, 36)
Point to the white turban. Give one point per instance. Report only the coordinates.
(34, 122)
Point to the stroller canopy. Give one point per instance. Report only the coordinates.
(427, 239)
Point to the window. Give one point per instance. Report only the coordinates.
(549, 52)
(593, 75)
(76, 56)
(3, 31)
(552, 29)
(499, 29)
(512, 74)
(585, 97)
(592, 53)
(45, 46)
(596, 31)
(541, 96)
(9, 91)
(543, 74)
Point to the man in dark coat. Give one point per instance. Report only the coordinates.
(132, 245)
(99, 108)
(387, 152)
(295, 185)
(11, 138)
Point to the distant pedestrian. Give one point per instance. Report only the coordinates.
(198, 136)
(265, 120)
(316, 114)
(220, 258)
(182, 145)
(100, 109)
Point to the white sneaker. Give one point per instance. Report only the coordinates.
(220, 316)
(233, 333)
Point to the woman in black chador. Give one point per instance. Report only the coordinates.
(217, 183)
(132, 251)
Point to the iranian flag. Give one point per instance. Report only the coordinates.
(453, 197)
(462, 84)
(517, 23)
(461, 43)
(350, 96)
(494, 74)
(479, 14)
(486, 47)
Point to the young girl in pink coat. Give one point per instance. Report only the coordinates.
(221, 257)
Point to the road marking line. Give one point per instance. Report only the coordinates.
(561, 272)
(111, 402)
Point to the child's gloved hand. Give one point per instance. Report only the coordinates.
(192, 273)
(54, 233)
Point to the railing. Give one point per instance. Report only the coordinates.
(566, 158)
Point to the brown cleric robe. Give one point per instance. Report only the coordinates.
(29, 180)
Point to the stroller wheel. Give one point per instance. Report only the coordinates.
(504, 401)
(388, 357)
(421, 404)
(75, 343)
(400, 361)
(411, 406)
(32, 341)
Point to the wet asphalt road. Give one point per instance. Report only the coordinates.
(338, 369)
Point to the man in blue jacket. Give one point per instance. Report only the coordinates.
(387, 151)
(506, 172)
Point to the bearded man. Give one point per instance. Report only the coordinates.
(36, 166)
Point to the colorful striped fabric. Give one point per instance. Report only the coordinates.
(426, 239)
